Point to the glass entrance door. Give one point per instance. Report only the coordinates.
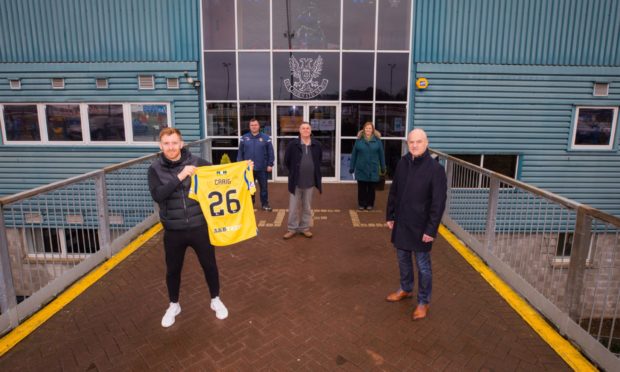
(324, 120)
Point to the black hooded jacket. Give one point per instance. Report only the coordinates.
(176, 210)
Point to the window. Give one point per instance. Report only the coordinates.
(21, 123)
(220, 76)
(394, 21)
(218, 31)
(147, 121)
(358, 25)
(392, 76)
(465, 178)
(300, 24)
(258, 111)
(222, 119)
(564, 247)
(253, 24)
(63, 122)
(254, 76)
(390, 120)
(357, 76)
(61, 243)
(84, 123)
(594, 128)
(106, 122)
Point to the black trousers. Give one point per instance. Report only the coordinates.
(366, 193)
(175, 245)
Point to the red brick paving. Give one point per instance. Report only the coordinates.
(302, 304)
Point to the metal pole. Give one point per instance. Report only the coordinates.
(449, 175)
(491, 215)
(577, 265)
(103, 214)
(8, 301)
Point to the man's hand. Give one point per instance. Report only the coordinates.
(390, 224)
(251, 164)
(427, 239)
(269, 169)
(187, 171)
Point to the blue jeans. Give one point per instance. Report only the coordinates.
(425, 274)
(261, 178)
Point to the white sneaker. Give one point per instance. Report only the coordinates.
(173, 310)
(221, 312)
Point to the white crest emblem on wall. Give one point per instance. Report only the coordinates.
(304, 72)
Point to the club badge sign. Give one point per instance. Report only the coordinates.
(304, 72)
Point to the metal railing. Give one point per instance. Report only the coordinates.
(560, 255)
(52, 235)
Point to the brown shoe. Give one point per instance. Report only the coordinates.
(289, 234)
(420, 312)
(307, 234)
(397, 296)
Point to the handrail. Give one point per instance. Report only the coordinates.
(59, 184)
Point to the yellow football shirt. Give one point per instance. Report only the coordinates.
(224, 193)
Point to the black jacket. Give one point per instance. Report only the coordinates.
(292, 161)
(416, 201)
(176, 210)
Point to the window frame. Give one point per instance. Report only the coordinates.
(612, 139)
(85, 123)
(479, 181)
(28, 237)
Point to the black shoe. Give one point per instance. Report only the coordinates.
(267, 208)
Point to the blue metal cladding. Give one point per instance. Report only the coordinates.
(522, 32)
(99, 30)
(527, 111)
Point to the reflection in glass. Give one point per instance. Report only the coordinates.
(594, 126)
(147, 121)
(253, 24)
(313, 76)
(218, 30)
(346, 148)
(323, 122)
(220, 76)
(394, 150)
(390, 120)
(222, 119)
(258, 111)
(254, 76)
(353, 116)
(392, 76)
(289, 119)
(394, 25)
(357, 75)
(21, 123)
(106, 122)
(222, 156)
(281, 149)
(63, 122)
(306, 24)
(358, 29)
(225, 142)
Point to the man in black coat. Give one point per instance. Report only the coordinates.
(415, 206)
(169, 179)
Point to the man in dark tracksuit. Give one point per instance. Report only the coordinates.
(256, 146)
(169, 179)
(415, 206)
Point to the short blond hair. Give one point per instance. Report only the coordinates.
(168, 131)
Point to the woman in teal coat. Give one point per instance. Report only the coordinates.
(367, 160)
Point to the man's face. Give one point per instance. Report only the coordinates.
(171, 146)
(417, 143)
(305, 131)
(254, 127)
